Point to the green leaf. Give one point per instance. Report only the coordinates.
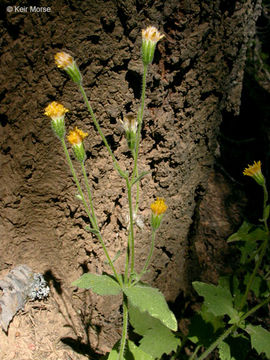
(266, 212)
(99, 284)
(140, 177)
(157, 338)
(131, 352)
(151, 300)
(136, 352)
(248, 251)
(241, 232)
(260, 339)
(94, 231)
(224, 351)
(217, 299)
(116, 256)
(245, 233)
(202, 331)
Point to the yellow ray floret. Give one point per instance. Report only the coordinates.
(76, 136)
(159, 207)
(55, 110)
(63, 60)
(254, 169)
(151, 33)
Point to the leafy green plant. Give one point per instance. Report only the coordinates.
(139, 300)
(223, 321)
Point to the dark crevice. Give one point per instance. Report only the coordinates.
(168, 253)
(107, 24)
(134, 82)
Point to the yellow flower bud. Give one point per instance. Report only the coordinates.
(63, 60)
(255, 172)
(55, 110)
(76, 138)
(152, 34)
(159, 207)
(150, 37)
(66, 62)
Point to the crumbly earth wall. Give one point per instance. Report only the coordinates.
(196, 74)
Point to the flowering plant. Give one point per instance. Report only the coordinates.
(145, 307)
(137, 297)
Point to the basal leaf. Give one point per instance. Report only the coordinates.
(152, 301)
(99, 284)
(217, 299)
(260, 339)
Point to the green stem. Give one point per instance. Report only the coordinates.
(217, 342)
(89, 107)
(265, 199)
(76, 179)
(91, 218)
(231, 329)
(138, 137)
(250, 282)
(127, 259)
(124, 329)
(89, 195)
(149, 256)
(131, 227)
(263, 250)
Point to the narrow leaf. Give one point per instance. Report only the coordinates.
(260, 339)
(116, 256)
(153, 301)
(99, 284)
(140, 177)
(94, 231)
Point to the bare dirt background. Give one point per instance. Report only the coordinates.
(196, 75)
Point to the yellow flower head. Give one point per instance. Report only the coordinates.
(158, 207)
(254, 169)
(63, 60)
(255, 172)
(151, 33)
(76, 136)
(55, 110)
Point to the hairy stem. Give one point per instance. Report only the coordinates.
(124, 329)
(89, 107)
(148, 258)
